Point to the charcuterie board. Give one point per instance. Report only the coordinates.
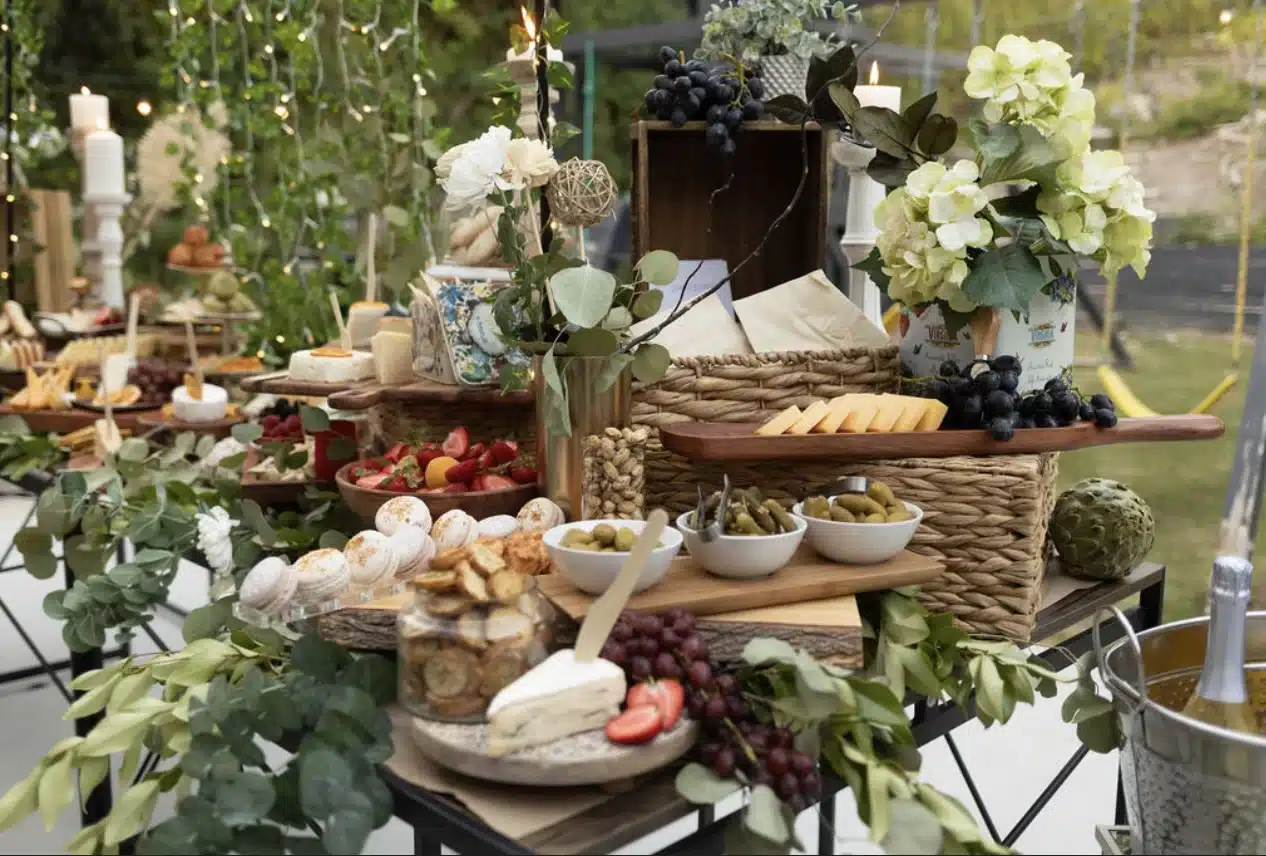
(738, 441)
(426, 391)
(280, 383)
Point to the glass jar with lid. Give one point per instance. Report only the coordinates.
(458, 648)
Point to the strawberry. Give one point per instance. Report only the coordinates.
(457, 442)
(395, 484)
(461, 473)
(407, 464)
(477, 483)
(635, 725)
(360, 471)
(270, 422)
(487, 460)
(425, 456)
(667, 695)
(514, 446)
(504, 452)
(474, 451)
(523, 475)
(293, 424)
(373, 482)
(431, 446)
(495, 481)
(454, 488)
(415, 481)
(398, 451)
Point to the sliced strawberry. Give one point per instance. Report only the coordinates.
(477, 483)
(431, 446)
(504, 452)
(455, 488)
(373, 481)
(474, 451)
(635, 725)
(395, 484)
(523, 475)
(398, 451)
(487, 460)
(360, 471)
(461, 473)
(496, 481)
(425, 456)
(514, 446)
(457, 442)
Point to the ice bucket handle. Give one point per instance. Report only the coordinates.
(1114, 683)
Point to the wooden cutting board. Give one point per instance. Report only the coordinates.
(738, 441)
(280, 383)
(807, 577)
(72, 419)
(424, 391)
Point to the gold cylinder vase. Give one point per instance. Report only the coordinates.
(559, 459)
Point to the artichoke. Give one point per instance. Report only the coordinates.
(1102, 529)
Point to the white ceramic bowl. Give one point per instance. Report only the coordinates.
(594, 572)
(741, 557)
(860, 543)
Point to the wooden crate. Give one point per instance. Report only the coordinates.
(675, 172)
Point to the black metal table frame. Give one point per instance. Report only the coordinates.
(437, 820)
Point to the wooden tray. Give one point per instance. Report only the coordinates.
(65, 421)
(738, 441)
(581, 759)
(278, 492)
(426, 391)
(220, 428)
(280, 383)
(806, 577)
(830, 629)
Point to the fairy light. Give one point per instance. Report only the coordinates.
(144, 108)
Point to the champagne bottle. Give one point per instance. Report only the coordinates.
(1221, 698)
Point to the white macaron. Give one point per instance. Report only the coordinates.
(370, 558)
(454, 529)
(497, 526)
(539, 515)
(323, 574)
(270, 586)
(414, 551)
(402, 511)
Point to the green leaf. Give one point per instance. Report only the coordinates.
(611, 371)
(788, 108)
(1100, 733)
(741, 841)
(995, 141)
(758, 652)
(134, 450)
(123, 729)
(815, 688)
(32, 541)
(84, 557)
(873, 267)
(583, 294)
(844, 100)
(884, 129)
(658, 267)
(314, 419)
(56, 791)
(990, 689)
(557, 411)
(93, 700)
(396, 216)
(208, 620)
(341, 449)
(764, 816)
(97, 677)
(204, 445)
(699, 785)
(55, 513)
(914, 830)
(14, 425)
(20, 800)
(325, 779)
(879, 816)
(332, 539)
(92, 772)
(650, 362)
(1006, 278)
(253, 516)
(131, 813)
(592, 342)
(839, 69)
(315, 656)
(647, 304)
(563, 133)
(247, 432)
(128, 690)
(1034, 155)
(243, 797)
(938, 135)
(917, 113)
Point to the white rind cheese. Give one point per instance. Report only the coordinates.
(357, 365)
(212, 407)
(393, 356)
(556, 699)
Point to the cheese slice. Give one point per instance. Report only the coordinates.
(106, 439)
(556, 699)
(780, 423)
(862, 408)
(837, 410)
(912, 410)
(813, 414)
(889, 411)
(933, 416)
(393, 356)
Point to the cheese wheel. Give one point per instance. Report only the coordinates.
(213, 405)
(311, 366)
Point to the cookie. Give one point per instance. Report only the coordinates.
(402, 511)
(322, 575)
(497, 526)
(540, 514)
(371, 558)
(414, 551)
(484, 560)
(270, 586)
(454, 529)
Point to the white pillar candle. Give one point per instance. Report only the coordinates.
(88, 111)
(103, 163)
(874, 95)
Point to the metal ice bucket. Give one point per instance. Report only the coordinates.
(1190, 788)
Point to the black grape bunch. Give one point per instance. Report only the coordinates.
(691, 90)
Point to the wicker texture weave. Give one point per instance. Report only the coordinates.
(396, 421)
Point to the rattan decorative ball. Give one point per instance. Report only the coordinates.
(581, 193)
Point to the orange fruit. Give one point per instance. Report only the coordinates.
(436, 470)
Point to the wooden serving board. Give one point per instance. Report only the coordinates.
(280, 383)
(426, 391)
(582, 759)
(806, 577)
(220, 428)
(65, 421)
(278, 492)
(738, 441)
(830, 629)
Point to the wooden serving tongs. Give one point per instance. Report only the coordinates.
(604, 611)
(106, 438)
(985, 323)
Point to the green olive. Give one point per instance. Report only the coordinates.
(604, 534)
(576, 538)
(624, 539)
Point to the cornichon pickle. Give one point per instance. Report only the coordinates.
(624, 539)
(842, 515)
(604, 534)
(755, 493)
(902, 514)
(785, 520)
(875, 518)
(881, 493)
(745, 525)
(859, 505)
(817, 506)
(762, 516)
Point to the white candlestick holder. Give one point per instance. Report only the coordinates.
(860, 232)
(109, 244)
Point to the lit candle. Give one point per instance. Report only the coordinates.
(88, 111)
(874, 95)
(529, 51)
(103, 163)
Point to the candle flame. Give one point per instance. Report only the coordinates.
(528, 24)
(874, 73)
(85, 90)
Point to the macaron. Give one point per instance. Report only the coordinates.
(539, 515)
(402, 511)
(454, 529)
(322, 575)
(270, 586)
(370, 558)
(414, 551)
(497, 526)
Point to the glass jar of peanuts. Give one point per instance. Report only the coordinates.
(465, 635)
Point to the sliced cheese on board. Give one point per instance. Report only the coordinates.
(933, 416)
(887, 414)
(393, 356)
(813, 414)
(912, 410)
(830, 424)
(780, 423)
(862, 408)
(556, 699)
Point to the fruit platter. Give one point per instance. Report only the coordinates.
(972, 410)
(196, 253)
(485, 478)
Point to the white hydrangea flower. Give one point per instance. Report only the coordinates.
(214, 528)
(925, 230)
(1096, 206)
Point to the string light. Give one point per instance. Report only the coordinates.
(144, 108)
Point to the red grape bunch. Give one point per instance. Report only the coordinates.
(667, 646)
(721, 96)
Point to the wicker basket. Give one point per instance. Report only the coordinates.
(397, 421)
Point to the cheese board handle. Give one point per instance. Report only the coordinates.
(985, 323)
(605, 610)
(358, 398)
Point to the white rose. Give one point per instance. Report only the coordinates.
(214, 528)
(528, 163)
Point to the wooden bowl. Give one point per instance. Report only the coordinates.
(478, 504)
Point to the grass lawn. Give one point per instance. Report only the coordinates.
(1185, 483)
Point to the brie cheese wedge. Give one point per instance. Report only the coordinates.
(331, 365)
(556, 699)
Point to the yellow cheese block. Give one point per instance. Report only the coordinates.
(862, 409)
(780, 423)
(933, 416)
(912, 411)
(889, 411)
(813, 414)
(837, 411)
